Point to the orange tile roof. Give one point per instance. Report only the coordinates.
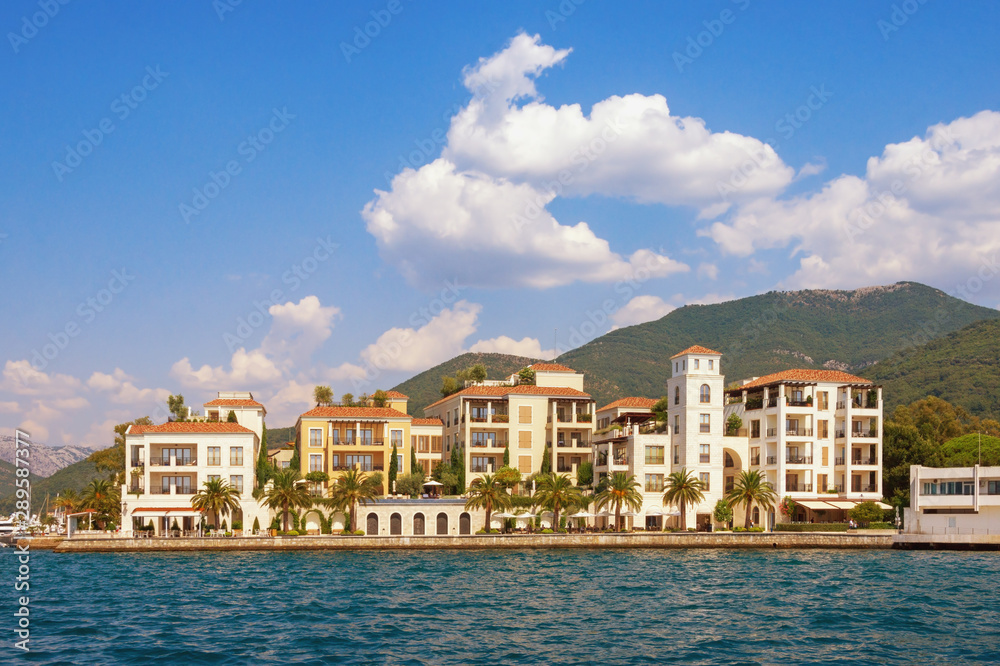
(520, 389)
(356, 413)
(696, 349)
(188, 426)
(430, 422)
(551, 367)
(804, 376)
(645, 403)
(397, 395)
(233, 402)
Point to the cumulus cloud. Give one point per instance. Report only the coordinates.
(420, 348)
(526, 346)
(641, 309)
(708, 271)
(21, 378)
(298, 329)
(122, 390)
(927, 209)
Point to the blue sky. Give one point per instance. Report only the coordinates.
(673, 102)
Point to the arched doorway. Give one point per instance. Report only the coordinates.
(418, 524)
(372, 524)
(756, 516)
(442, 523)
(395, 524)
(465, 524)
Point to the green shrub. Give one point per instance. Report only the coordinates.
(691, 529)
(237, 525)
(256, 524)
(739, 529)
(547, 531)
(810, 527)
(359, 533)
(756, 529)
(346, 532)
(879, 526)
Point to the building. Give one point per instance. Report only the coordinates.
(167, 464)
(553, 417)
(281, 455)
(426, 435)
(954, 501)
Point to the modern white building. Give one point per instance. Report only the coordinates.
(953, 501)
(167, 464)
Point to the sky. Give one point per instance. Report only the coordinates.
(249, 196)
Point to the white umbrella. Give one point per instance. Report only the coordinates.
(582, 514)
(525, 516)
(603, 514)
(629, 514)
(674, 512)
(655, 511)
(433, 483)
(503, 515)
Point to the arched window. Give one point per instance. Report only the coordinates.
(418, 524)
(706, 393)
(756, 516)
(395, 524)
(372, 524)
(677, 395)
(465, 524)
(442, 523)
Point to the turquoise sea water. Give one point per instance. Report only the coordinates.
(493, 607)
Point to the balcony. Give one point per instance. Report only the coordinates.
(841, 404)
(863, 433)
(755, 460)
(798, 403)
(798, 432)
(838, 461)
(799, 460)
(742, 432)
(138, 465)
(772, 432)
(799, 488)
(839, 434)
(869, 488)
(864, 461)
(564, 469)
(359, 466)
(177, 490)
(159, 462)
(501, 418)
(482, 469)
(772, 402)
(835, 489)
(754, 404)
(772, 460)
(187, 462)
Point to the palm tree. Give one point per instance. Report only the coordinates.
(489, 493)
(683, 489)
(103, 497)
(617, 490)
(556, 493)
(218, 497)
(352, 489)
(287, 492)
(68, 501)
(751, 488)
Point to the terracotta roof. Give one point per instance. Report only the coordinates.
(186, 426)
(696, 349)
(804, 376)
(551, 367)
(646, 403)
(356, 413)
(232, 402)
(397, 395)
(430, 422)
(520, 389)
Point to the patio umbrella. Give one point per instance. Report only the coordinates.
(503, 515)
(525, 516)
(629, 514)
(433, 483)
(583, 514)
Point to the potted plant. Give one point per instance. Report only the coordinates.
(809, 400)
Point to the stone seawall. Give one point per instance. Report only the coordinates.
(481, 542)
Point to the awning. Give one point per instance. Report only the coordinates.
(883, 505)
(815, 505)
(842, 504)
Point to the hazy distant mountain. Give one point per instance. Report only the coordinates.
(45, 460)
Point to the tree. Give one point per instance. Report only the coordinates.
(546, 466)
(288, 491)
(296, 462)
(477, 373)
(104, 497)
(867, 512)
(347, 400)
(506, 455)
(393, 467)
(585, 474)
(113, 459)
(902, 446)
(264, 468)
(556, 492)
(350, 490)
(751, 488)
(323, 395)
(723, 513)
(526, 376)
(414, 464)
(458, 469)
(619, 489)
(364, 400)
(175, 403)
(449, 386)
(68, 501)
(217, 497)
(660, 408)
(733, 424)
(508, 476)
(380, 398)
(488, 493)
(411, 484)
(232, 417)
(683, 488)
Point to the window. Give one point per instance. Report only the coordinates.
(677, 395)
(677, 425)
(706, 422)
(524, 440)
(524, 414)
(755, 455)
(654, 483)
(316, 462)
(677, 455)
(236, 455)
(364, 462)
(366, 437)
(484, 439)
(704, 453)
(349, 436)
(215, 455)
(993, 487)
(214, 477)
(236, 482)
(524, 464)
(482, 464)
(336, 461)
(824, 429)
(315, 437)
(396, 439)
(711, 364)
(704, 478)
(696, 364)
(436, 444)
(423, 444)
(730, 483)
(676, 367)
(823, 400)
(755, 428)
(654, 455)
(706, 393)
(335, 437)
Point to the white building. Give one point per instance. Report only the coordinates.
(167, 464)
(953, 501)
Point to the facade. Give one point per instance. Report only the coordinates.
(167, 464)
(958, 501)
(426, 437)
(553, 417)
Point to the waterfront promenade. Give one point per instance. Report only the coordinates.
(754, 540)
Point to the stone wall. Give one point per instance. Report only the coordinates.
(478, 542)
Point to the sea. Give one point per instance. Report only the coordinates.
(608, 606)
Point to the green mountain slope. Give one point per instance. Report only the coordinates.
(847, 330)
(76, 477)
(278, 436)
(7, 478)
(962, 367)
(423, 389)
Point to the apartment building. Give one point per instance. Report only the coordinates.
(627, 441)
(553, 417)
(167, 464)
(954, 502)
(815, 434)
(426, 436)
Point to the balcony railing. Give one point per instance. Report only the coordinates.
(869, 488)
(136, 489)
(841, 404)
(838, 461)
(799, 460)
(772, 432)
(864, 433)
(159, 462)
(840, 434)
(704, 457)
(772, 402)
(836, 489)
(564, 468)
(742, 432)
(754, 404)
(677, 460)
(483, 469)
(799, 432)
(800, 488)
(772, 460)
(363, 468)
(501, 418)
(864, 461)
(187, 462)
(177, 490)
(799, 403)
(755, 460)
(138, 464)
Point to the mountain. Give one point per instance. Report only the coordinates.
(7, 486)
(45, 460)
(75, 476)
(278, 436)
(962, 367)
(423, 389)
(843, 330)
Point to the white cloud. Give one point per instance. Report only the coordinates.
(298, 329)
(20, 378)
(122, 390)
(248, 370)
(641, 309)
(9, 407)
(419, 348)
(708, 271)
(927, 209)
(503, 344)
